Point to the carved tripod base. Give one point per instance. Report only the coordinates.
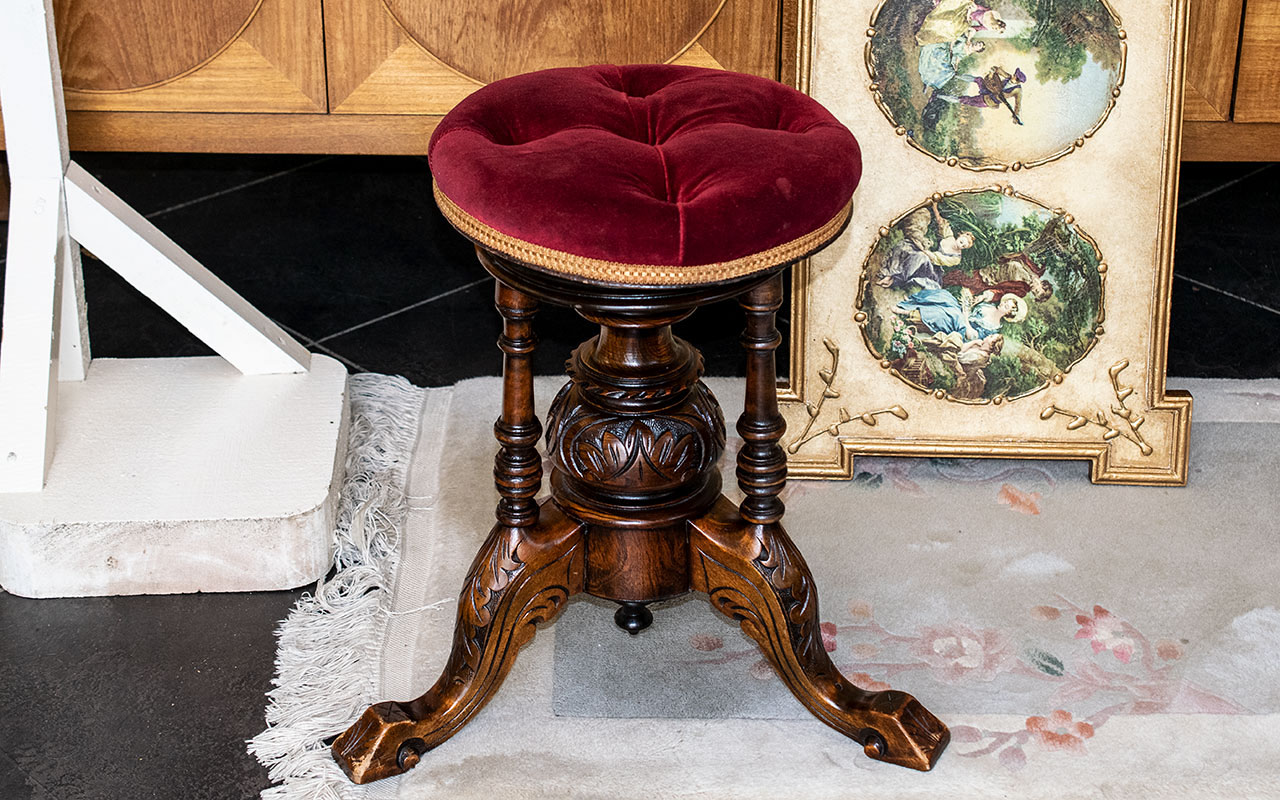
(636, 516)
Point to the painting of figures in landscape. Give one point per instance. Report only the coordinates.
(997, 83)
(981, 295)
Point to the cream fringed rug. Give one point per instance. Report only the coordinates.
(1081, 641)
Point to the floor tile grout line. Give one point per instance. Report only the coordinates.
(309, 342)
(305, 339)
(1226, 185)
(221, 192)
(340, 357)
(1232, 295)
(231, 189)
(399, 311)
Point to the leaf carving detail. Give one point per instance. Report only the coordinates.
(670, 454)
(795, 593)
(500, 567)
(602, 446)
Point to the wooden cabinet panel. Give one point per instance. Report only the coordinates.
(400, 57)
(260, 75)
(174, 55)
(133, 44)
(744, 37)
(375, 67)
(500, 38)
(1213, 35)
(1258, 85)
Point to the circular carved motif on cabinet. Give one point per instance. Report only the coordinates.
(494, 39)
(136, 44)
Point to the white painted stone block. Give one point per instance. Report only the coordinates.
(182, 475)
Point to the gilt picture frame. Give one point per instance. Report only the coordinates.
(1003, 288)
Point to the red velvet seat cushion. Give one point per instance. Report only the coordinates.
(645, 174)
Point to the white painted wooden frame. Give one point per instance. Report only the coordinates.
(54, 206)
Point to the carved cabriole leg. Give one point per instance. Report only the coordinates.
(531, 564)
(744, 560)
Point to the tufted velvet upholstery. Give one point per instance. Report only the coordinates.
(651, 174)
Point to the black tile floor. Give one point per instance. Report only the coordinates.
(153, 697)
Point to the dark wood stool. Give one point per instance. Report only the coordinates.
(636, 514)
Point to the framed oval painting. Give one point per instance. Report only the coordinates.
(998, 84)
(982, 295)
(961, 316)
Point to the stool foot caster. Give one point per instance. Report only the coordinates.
(633, 617)
(755, 575)
(521, 577)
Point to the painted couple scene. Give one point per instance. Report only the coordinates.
(982, 296)
(999, 82)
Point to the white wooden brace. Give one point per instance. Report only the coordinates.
(54, 206)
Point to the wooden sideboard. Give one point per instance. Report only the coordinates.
(374, 76)
(355, 76)
(1232, 109)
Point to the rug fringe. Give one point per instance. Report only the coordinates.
(328, 659)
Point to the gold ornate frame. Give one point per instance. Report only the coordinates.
(1115, 411)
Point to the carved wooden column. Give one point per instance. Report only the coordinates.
(634, 439)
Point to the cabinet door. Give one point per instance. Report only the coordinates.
(1258, 87)
(180, 55)
(1213, 34)
(410, 57)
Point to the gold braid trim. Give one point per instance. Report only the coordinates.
(595, 269)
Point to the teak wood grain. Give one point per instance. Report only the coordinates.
(635, 516)
(266, 75)
(4, 190)
(381, 134)
(401, 57)
(1231, 141)
(496, 39)
(745, 37)
(1213, 36)
(1258, 82)
(231, 56)
(360, 37)
(130, 44)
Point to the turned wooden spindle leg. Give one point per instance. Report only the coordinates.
(762, 466)
(530, 565)
(744, 560)
(517, 468)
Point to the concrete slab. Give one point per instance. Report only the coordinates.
(182, 475)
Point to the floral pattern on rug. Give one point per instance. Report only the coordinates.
(1092, 666)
